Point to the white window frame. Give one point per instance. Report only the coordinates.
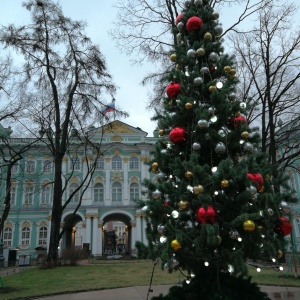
(74, 163)
(25, 236)
(116, 163)
(100, 163)
(30, 166)
(134, 163)
(13, 194)
(43, 230)
(134, 191)
(45, 194)
(47, 166)
(72, 187)
(98, 192)
(29, 194)
(15, 168)
(7, 236)
(116, 192)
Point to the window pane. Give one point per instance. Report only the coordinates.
(46, 194)
(116, 163)
(25, 236)
(98, 193)
(74, 163)
(43, 236)
(100, 163)
(7, 236)
(134, 163)
(28, 197)
(47, 166)
(13, 195)
(30, 166)
(117, 192)
(134, 191)
(72, 188)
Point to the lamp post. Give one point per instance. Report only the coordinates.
(293, 257)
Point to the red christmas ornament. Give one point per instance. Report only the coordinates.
(237, 121)
(212, 68)
(173, 90)
(256, 178)
(284, 227)
(206, 216)
(178, 135)
(178, 18)
(193, 23)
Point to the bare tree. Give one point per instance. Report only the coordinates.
(65, 75)
(268, 60)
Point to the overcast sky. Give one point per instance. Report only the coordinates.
(99, 15)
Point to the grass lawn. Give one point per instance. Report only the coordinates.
(37, 282)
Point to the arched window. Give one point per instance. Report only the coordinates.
(43, 236)
(7, 236)
(98, 192)
(116, 163)
(134, 163)
(72, 188)
(116, 192)
(46, 194)
(134, 191)
(28, 193)
(30, 166)
(25, 238)
(100, 163)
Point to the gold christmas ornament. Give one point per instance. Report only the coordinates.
(249, 225)
(208, 36)
(227, 69)
(279, 254)
(175, 245)
(215, 15)
(188, 174)
(224, 183)
(155, 165)
(231, 76)
(161, 132)
(245, 134)
(198, 189)
(188, 105)
(232, 72)
(183, 205)
(260, 228)
(212, 88)
(154, 171)
(200, 52)
(237, 114)
(173, 57)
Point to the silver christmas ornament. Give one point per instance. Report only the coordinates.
(215, 15)
(202, 124)
(179, 37)
(213, 56)
(156, 194)
(270, 212)
(243, 105)
(161, 175)
(221, 133)
(220, 148)
(204, 70)
(232, 96)
(252, 190)
(180, 25)
(218, 30)
(213, 119)
(191, 53)
(233, 234)
(198, 81)
(196, 146)
(248, 147)
(161, 229)
(198, 2)
(187, 3)
(211, 110)
(175, 214)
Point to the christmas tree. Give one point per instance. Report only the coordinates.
(215, 203)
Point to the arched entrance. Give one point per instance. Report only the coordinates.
(69, 237)
(116, 234)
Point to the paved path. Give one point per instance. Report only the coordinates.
(141, 292)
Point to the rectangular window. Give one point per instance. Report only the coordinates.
(25, 237)
(43, 236)
(15, 168)
(13, 195)
(117, 194)
(29, 193)
(75, 163)
(100, 164)
(47, 166)
(30, 166)
(7, 237)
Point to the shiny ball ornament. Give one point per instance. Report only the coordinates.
(178, 18)
(248, 147)
(218, 30)
(243, 105)
(154, 165)
(178, 135)
(183, 205)
(161, 229)
(257, 179)
(245, 134)
(188, 174)
(232, 72)
(227, 69)
(173, 90)
(237, 122)
(191, 53)
(179, 37)
(249, 225)
(213, 56)
(187, 3)
(252, 190)
(193, 24)
(175, 214)
(279, 254)
(198, 2)
(156, 194)
(224, 183)
(208, 36)
(211, 110)
(220, 148)
(270, 212)
(198, 81)
(188, 106)
(154, 170)
(219, 85)
(198, 189)
(204, 70)
(161, 175)
(284, 227)
(161, 132)
(175, 245)
(233, 234)
(202, 124)
(196, 146)
(222, 133)
(212, 88)
(206, 216)
(173, 57)
(215, 15)
(232, 96)
(285, 207)
(200, 52)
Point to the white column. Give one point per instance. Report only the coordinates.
(138, 228)
(107, 194)
(99, 237)
(95, 235)
(88, 229)
(133, 234)
(126, 189)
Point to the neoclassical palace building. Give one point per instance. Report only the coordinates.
(108, 202)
